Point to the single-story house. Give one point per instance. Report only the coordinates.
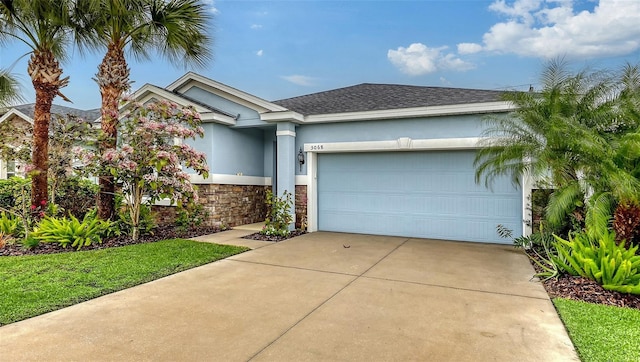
(370, 158)
(20, 118)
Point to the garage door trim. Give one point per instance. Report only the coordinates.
(398, 145)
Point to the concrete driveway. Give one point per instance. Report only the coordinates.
(318, 297)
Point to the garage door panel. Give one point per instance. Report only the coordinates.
(415, 194)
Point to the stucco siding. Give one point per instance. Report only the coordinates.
(235, 151)
(419, 128)
(247, 116)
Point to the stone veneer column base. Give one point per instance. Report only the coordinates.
(301, 207)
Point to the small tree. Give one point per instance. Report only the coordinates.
(149, 160)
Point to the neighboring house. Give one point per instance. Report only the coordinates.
(378, 159)
(20, 118)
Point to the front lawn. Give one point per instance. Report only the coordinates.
(33, 285)
(600, 332)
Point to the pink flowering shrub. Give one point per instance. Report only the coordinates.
(148, 161)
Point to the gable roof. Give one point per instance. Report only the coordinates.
(373, 97)
(88, 115)
(207, 112)
(249, 100)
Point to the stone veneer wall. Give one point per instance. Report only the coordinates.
(164, 215)
(301, 207)
(233, 205)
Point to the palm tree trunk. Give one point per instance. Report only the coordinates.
(113, 79)
(626, 222)
(45, 75)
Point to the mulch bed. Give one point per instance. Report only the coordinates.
(158, 233)
(275, 238)
(587, 290)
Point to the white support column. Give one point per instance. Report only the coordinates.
(312, 191)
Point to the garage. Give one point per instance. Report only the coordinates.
(429, 194)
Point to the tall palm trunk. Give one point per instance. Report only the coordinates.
(45, 73)
(626, 222)
(113, 79)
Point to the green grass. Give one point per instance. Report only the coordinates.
(601, 333)
(33, 285)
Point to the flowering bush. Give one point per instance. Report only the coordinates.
(150, 156)
(279, 214)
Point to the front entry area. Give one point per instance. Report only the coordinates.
(429, 194)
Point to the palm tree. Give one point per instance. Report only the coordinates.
(43, 26)
(562, 137)
(175, 29)
(9, 89)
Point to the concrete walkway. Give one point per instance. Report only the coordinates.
(318, 297)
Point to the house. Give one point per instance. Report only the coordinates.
(20, 119)
(371, 158)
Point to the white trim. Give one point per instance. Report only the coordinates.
(285, 133)
(224, 179)
(302, 180)
(289, 116)
(17, 113)
(432, 111)
(183, 84)
(400, 144)
(149, 91)
(527, 202)
(312, 191)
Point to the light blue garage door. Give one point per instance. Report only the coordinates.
(417, 194)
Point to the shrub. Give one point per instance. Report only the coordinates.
(599, 258)
(75, 196)
(190, 214)
(146, 222)
(30, 242)
(11, 225)
(13, 191)
(4, 239)
(70, 231)
(279, 214)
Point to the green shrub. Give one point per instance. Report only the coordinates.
(70, 231)
(189, 215)
(11, 225)
(30, 242)
(146, 223)
(14, 191)
(279, 214)
(76, 196)
(599, 258)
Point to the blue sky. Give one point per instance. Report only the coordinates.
(281, 49)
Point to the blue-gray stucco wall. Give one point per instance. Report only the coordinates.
(382, 130)
(247, 117)
(231, 151)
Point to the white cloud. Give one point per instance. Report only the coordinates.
(212, 6)
(445, 81)
(548, 29)
(302, 80)
(259, 52)
(469, 48)
(419, 59)
(256, 26)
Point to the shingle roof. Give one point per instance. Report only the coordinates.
(88, 115)
(372, 97)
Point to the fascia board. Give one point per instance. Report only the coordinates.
(447, 110)
(16, 113)
(186, 81)
(147, 92)
(283, 116)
